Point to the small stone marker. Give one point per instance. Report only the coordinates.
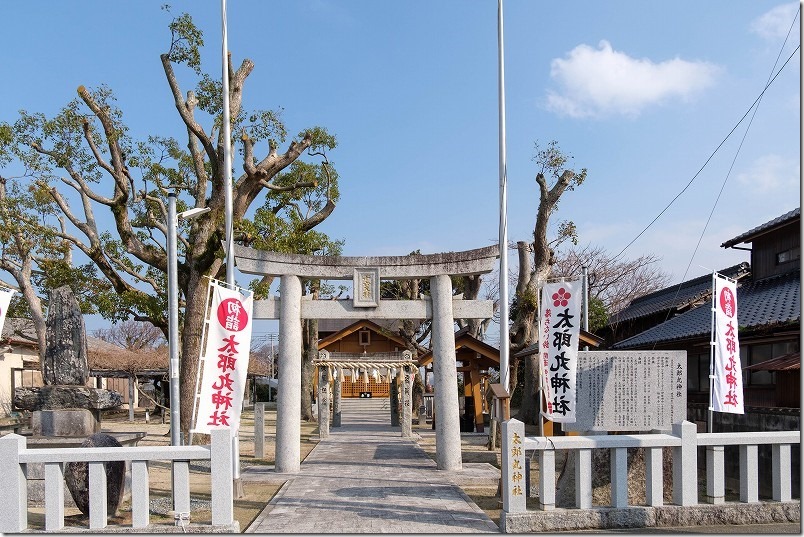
(323, 403)
(407, 403)
(513, 466)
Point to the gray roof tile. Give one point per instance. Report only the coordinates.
(674, 297)
(765, 302)
(767, 226)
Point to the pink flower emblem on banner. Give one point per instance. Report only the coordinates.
(561, 298)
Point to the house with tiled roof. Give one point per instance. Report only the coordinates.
(769, 312)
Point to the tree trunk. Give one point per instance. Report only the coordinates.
(310, 343)
(471, 290)
(529, 409)
(525, 330)
(190, 337)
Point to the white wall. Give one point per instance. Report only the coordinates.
(9, 361)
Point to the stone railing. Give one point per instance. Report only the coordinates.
(14, 456)
(684, 441)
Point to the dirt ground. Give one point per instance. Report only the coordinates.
(255, 495)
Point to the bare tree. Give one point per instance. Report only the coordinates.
(132, 335)
(614, 282)
(536, 260)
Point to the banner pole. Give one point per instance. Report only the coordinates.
(540, 389)
(201, 355)
(505, 343)
(712, 343)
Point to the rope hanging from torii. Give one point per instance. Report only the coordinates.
(389, 361)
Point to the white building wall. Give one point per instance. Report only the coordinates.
(8, 362)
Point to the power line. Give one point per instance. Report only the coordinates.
(737, 153)
(771, 77)
(710, 156)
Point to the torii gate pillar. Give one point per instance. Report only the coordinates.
(448, 431)
(288, 406)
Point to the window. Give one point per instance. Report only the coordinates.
(698, 372)
(364, 337)
(793, 254)
(693, 378)
(758, 354)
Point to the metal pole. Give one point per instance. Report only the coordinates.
(173, 321)
(227, 155)
(504, 338)
(540, 390)
(228, 211)
(585, 284)
(710, 410)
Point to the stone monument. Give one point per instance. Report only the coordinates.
(65, 406)
(65, 411)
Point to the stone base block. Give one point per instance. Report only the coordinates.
(76, 422)
(667, 516)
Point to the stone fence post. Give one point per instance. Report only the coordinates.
(14, 492)
(221, 473)
(685, 464)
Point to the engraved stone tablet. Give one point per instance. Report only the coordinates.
(630, 390)
(366, 288)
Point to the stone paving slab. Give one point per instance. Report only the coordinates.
(365, 478)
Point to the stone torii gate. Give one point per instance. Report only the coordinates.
(366, 273)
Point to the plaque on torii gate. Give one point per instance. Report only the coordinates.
(366, 272)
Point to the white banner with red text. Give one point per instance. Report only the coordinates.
(559, 330)
(727, 384)
(224, 362)
(5, 302)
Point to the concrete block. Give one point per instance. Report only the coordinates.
(73, 422)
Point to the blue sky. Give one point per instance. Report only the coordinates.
(640, 93)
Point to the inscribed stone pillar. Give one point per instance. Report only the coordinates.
(131, 397)
(259, 430)
(288, 408)
(407, 402)
(336, 401)
(323, 403)
(65, 360)
(448, 432)
(393, 399)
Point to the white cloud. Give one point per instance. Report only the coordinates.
(770, 173)
(775, 24)
(603, 82)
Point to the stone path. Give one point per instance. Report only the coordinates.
(365, 478)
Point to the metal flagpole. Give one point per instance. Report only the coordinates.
(173, 321)
(227, 181)
(585, 280)
(227, 154)
(712, 344)
(504, 339)
(540, 390)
